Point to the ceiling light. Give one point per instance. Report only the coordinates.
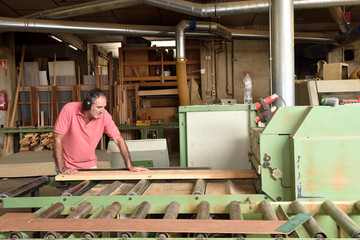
(57, 39)
(72, 47)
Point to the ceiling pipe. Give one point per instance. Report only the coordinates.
(337, 14)
(210, 31)
(83, 9)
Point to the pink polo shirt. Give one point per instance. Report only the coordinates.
(80, 139)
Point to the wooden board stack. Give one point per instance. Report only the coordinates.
(36, 142)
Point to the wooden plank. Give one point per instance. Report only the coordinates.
(33, 106)
(24, 222)
(158, 174)
(174, 91)
(54, 105)
(313, 93)
(96, 55)
(111, 83)
(74, 93)
(338, 86)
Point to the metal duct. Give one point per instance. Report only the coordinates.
(208, 29)
(46, 26)
(82, 9)
(282, 51)
(186, 7)
(339, 18)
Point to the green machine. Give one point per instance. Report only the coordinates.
(302, 183)
(309, 153)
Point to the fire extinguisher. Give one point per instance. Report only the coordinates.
(3, 100)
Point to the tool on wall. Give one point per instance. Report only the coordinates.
(267, 111)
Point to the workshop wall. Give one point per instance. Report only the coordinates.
(235, 59)
(349, 54)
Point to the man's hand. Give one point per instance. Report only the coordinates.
(69, 171)
(137, 169)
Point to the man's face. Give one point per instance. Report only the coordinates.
(98, 107)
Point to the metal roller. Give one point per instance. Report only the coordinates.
(311, 226)
(139, 188)
(202, 213)
(18, 235)
(268, 213)
(172, 212)
(140, 213)
(200, 187)
(341, 219)
(235, 214)
(110, 188)
(81, 212)
(26, 188)
(53, 211)
(80, 189)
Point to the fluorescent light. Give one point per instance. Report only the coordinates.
(72, 47)
(57, 39)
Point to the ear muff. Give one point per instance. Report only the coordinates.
(86, 104)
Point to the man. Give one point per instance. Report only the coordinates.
(78, 130)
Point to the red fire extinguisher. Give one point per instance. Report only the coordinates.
(3, 101)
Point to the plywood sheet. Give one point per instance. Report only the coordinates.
(30, 75)
(158, 174)
(24, 222)
(63, 68)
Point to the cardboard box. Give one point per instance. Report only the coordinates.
(335, 71)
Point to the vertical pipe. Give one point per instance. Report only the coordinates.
(184, 98)
(311, 226)
(341, 219)
(282, 51)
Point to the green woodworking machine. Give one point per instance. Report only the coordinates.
(302, 183)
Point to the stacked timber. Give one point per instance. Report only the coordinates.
(36, 142)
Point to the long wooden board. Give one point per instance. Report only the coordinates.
(158, 174)
(24, 222)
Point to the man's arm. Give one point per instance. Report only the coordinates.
(120, 142)
(58, 154)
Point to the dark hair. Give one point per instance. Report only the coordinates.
(91, 97)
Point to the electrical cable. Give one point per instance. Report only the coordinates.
(281, 182)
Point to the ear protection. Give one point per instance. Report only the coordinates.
(88, 101)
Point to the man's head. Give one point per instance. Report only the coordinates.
(94, 103)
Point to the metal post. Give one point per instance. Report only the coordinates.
(199, 188)
(282, 51)
(341, 219)
(311, 226)
(139, 188)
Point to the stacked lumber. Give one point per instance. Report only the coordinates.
(36, 142)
